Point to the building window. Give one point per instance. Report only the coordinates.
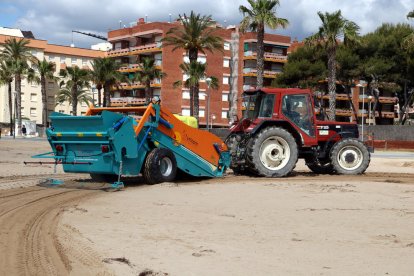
(186, 94)
(202, 95)
(83, 113)
(225, 97)
(34, 52)
(226, 80)
(224, 114)
(201, 113)
(226, 62)
(185, 112)
(33, 112)
(74, 60)
(62, 60)
(226, 45)
(61, 111)
(33, 97)
(52, 58)
(201, 59)
(84, 62)
(185, 77)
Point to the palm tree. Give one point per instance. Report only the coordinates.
(334, 26)
(194, 36)
(6, 78)
(67, 94)
(410, 14)
(73, 88)
(196, 71)
(260, 14)
(110, 77)
(148, 73)
(18, 53)
(98, 77)
(41, 72)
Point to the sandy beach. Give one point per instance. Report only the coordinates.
(305, 224)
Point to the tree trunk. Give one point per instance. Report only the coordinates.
(18, 88)
(197, 103)
(332, 83)
(234, 75)
(99, 87)
(10, 108)
(44, 100)
(193, 56)
(192, 92)
(74, 100)
(260, 55)
(148, 91)
(107, 94)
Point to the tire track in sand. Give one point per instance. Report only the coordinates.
(29, 232)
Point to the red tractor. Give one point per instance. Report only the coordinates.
(279, 126)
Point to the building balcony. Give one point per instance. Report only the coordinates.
(385, 114)
(127, 101)
(339, 97)
(383, 100)
(136, 67)
(339, 112)
(267, 56)
(135, 85)
(252, 72)
(136, 50)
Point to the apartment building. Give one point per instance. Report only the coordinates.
(234, 66)
(62, 56)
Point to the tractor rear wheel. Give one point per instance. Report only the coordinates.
(350, 156)
(160, 166)
(318, 166)
(273, 152)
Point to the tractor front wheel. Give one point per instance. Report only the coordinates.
(160, 166)
(273, 152)
(350, 156)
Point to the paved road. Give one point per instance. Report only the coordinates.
(393, 154)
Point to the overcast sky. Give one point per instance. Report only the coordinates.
(54, 20)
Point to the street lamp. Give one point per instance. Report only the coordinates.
(213, 117)
(363, 111)
(208, 81)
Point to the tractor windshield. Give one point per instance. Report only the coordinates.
(258, 105)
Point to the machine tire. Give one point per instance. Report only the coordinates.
(272, 146)
(160, 166)
(99, 177)
(350, 156)
(316, 166)
(231, 143)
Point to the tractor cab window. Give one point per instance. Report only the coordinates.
(298, 109)
(258, 105)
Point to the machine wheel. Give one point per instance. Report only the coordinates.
(104, 177)
(160, 166)
(272, 153)
(231, 142)
(350, 156)
(318, 166)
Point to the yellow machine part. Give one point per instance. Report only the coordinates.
(188, 120)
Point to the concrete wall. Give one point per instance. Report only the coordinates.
(391, 132)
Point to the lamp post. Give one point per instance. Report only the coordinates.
(208, 81)
(15, 113)
(170, 17)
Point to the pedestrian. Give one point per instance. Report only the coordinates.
(24, 130)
